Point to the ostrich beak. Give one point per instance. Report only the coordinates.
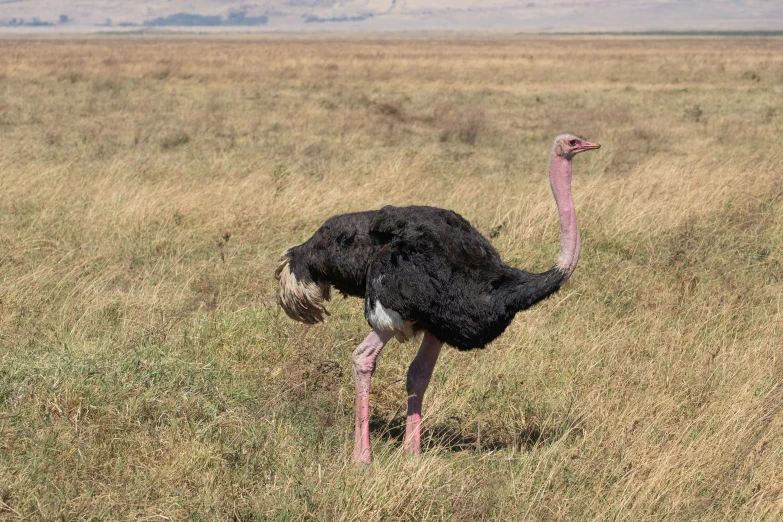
(586, 145)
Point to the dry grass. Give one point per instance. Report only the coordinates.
(148, 187)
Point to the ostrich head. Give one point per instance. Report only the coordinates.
(567, 146)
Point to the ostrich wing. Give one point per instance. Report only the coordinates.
(435, 270)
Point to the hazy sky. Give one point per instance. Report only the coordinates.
(526, 15)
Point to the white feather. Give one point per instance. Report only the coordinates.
(385, 319)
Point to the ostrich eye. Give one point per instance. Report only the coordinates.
(572, 142)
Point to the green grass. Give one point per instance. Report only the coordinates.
(149, 185)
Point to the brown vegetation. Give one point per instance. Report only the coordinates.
(149, 187)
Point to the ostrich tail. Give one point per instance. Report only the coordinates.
(301, 297)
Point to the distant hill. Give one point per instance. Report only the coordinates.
(277, 15)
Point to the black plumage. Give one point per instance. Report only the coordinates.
(427, 264)
(422, 268)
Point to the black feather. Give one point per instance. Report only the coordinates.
(427, 264)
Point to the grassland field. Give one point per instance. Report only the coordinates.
(148, 186)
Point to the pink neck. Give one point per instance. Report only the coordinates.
(560, 181)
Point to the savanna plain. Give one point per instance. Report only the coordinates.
(149, 184)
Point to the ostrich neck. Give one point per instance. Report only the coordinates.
(560, 181)
(532, 288)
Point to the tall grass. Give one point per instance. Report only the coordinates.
(148, 186)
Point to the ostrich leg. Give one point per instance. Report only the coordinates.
(364, 365)
(419, 375)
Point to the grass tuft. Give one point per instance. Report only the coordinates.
(149, 186)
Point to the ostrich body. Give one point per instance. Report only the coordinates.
(422, 269)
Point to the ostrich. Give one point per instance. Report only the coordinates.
(422, 270)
